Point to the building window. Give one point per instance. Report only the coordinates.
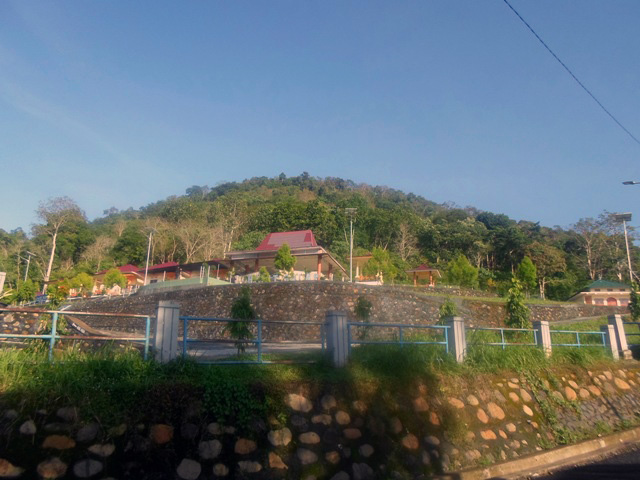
(599, 301)
(597, 289)
(609, 289)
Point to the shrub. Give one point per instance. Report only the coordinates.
(517, 311)
(634, 302)
(264, 276)
(447, 309)
(241, 310)
(461, 272)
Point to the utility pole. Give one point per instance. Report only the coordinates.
(352, 213)
(146, 268)
(26, 274)
(625, 217)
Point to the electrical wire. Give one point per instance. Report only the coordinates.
(572, 74)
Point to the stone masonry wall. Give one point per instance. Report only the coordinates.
(433, 426)
(309, 302)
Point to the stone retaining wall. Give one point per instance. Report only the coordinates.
(309, 302)
(434, 426)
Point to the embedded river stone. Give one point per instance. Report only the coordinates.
(495, 411)
(276, 462)
(310, 438)
(456, 403)
(410, 442)
(209, 449)
(87, 468)
(343, 418)
(52, 469)
(482, 416)
(103, 450)
(28, 428)
(248, 466)
(279, 438)
(58, 442)
(9, 470)
(306, 457)
(189, 469)
(298, 403)
(244, 446)
(161, 434)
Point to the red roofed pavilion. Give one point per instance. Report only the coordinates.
(424, 272)
(310, 257)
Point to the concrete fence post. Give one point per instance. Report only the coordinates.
(610, 340)
(337, 329)
(620, 336)
(165, 342)
(543, 336)
(456, 337)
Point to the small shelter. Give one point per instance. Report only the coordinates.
(604, 292)
(424, 272)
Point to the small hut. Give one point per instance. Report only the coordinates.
(424, 272)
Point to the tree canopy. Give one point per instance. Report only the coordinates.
(400, 230)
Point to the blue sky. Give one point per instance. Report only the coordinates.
(125, 103)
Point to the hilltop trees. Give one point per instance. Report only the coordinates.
(400, 230)
(55, 213)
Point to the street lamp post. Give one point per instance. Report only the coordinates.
(624, 218)
(352, 213)
(146, 268)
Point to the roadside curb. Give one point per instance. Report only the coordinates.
(550, 459)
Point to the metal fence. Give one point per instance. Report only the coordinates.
(389, 338)
(504, 334)
(218, 347)
(632, 334)
(54, 335)
(594, 339)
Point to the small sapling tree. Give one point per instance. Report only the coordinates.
(114, 277)
(517, 312)
(241, 310)
(447, 309)
(527, 274)
(264, 275)
(284, 260)
(362, 310)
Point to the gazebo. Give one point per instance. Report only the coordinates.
(424, 272)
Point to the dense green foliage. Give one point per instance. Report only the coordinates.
(461, 272)
(114, 277)
(284, 260)
(527, 274)
(264, 276)
(400, 230)
(517, 311)
(241, 309)
(447, 309)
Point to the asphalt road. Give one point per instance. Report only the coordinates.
(622, 465)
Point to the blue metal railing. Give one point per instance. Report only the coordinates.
(401, 327)
(578, 343)
(632, 334)
(54, 336)
(258, 341)
(503, 338)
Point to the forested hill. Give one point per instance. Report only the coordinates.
(402, 230)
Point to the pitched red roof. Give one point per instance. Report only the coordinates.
(123, 269)
(160, 266)
(299, 239)
(423, 268)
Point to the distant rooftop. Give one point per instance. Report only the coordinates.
(607, 284)
(299, 239)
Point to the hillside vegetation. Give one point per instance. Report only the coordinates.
(472, 247)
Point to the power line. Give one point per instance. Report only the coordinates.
(571, 73)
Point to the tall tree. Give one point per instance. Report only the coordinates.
(527, 274)
(548, 261)
(56, 212)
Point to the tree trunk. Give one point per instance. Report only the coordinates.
(542, 283)
(50, 266)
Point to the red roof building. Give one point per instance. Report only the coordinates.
(310, 257)
(424, 272)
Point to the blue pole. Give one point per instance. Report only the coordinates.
(52, 341)
(259, 340)
(502, 336)
(184, 336)
(446, 340)
(147, 332)
(322, 328)
(401, 335)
